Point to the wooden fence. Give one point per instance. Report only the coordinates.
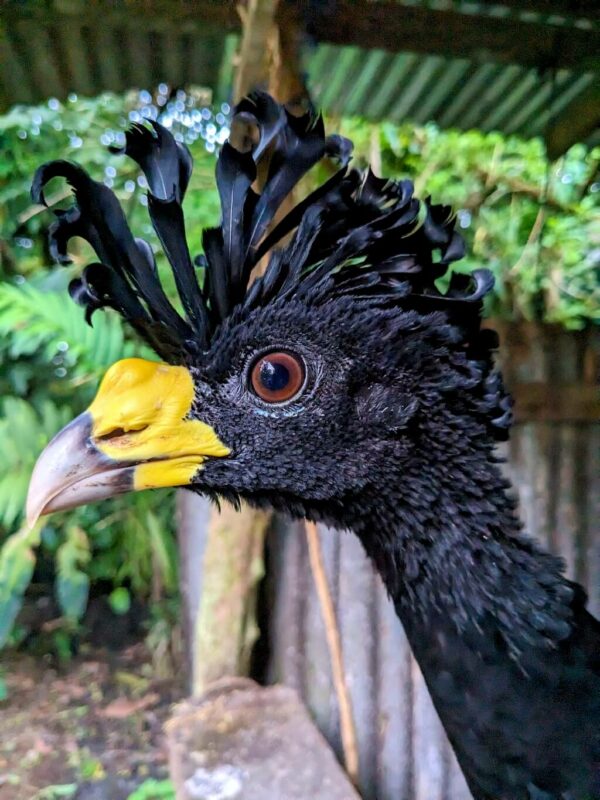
(552, 459)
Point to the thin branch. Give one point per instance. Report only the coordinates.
(534, 235)
(428, 171)
(258, 17)
(518, 186)
(35, 209)
(347, 726)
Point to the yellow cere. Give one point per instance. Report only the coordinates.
(139, 415)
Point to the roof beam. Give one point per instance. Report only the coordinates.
(573, 9)
(391, 26)
(575, 122)
(142, 15)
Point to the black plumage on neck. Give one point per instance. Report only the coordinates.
(509, 653)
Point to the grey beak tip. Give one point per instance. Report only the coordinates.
(71, 472)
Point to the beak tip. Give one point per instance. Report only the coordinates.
(35, 505)
(48, 476)
(32, 515)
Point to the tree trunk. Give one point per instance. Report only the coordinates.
(222, 553)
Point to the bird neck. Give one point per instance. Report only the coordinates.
(494, 626)
(449, 547)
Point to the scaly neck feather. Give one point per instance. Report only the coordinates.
(502, 637)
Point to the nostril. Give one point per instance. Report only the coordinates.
(116, 433)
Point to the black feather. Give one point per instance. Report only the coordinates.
(99, 219)
(167, 166)
(166, 163)
(355, 233)
(236, 173)
(259, 109)
(169, 224)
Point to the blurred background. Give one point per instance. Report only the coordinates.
(493, 108)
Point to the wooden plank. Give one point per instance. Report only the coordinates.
(317, 678)
(76, 60)
(109, 56)
(138, 15)
(357, 620)
(394, 27)
(15, 79)
(193, 514)
(546, 402)
(289, 584)
(207, 53)
(393, 698)
(428, 740)
(139, 58)
(34, 49)
(588, 510)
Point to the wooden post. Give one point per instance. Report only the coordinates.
(221, 571)
(258, 21)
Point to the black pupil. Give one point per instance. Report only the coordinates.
(273, 376)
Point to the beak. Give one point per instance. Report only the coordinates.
(137, 434)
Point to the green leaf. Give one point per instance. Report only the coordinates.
(17, 561)
(72, 584)
(56, 791)
(163, 550)
(152, 789)
(120, 600)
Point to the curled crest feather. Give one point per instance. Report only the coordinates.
(355, 234)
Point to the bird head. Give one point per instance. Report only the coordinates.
(301, 389)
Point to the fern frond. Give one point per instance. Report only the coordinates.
(24, 432)
(34, 321)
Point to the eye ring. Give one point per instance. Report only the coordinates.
(277, 376)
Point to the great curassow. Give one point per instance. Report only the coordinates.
(342, 385)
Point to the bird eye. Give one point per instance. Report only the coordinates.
(277, 377)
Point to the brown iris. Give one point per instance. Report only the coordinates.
(277, 377)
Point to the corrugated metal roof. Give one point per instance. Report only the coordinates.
(51, 49)
(452, 92)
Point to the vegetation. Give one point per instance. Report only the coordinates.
(52, 360)
(535, 225)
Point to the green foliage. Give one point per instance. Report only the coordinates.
(23, 431)
(72, 584)
(152, 789)
(120, 600)
(51, 360)
(36, 322)
(56, 791)
(17, 561)
(535, 225)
